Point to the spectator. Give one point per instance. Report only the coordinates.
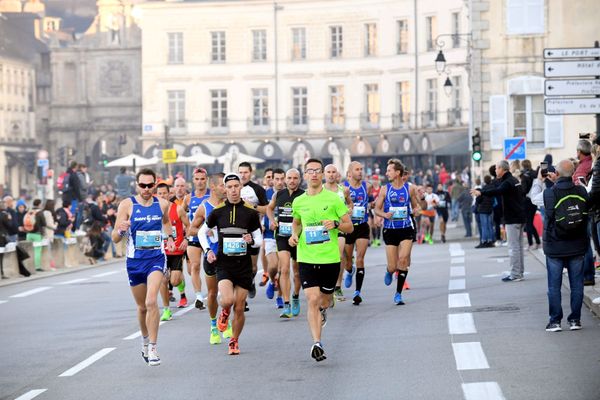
(497, 208)
(566, 241)
(595, 197)
(513, 200)
(123, 183)
(98, 244)
(455, 193)
(84, 181)
(465, 201)
(34, 224)
(13, 230)
(6, 224)
(50, 227)
(64, 221)
(527, 178)
(109, 209)
(474, 209)
(485, 207)
(95, 216)
(21, 211)
(70, 191)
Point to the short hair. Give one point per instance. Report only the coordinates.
(584, 146)
(162, 185)
(73, 164)
(123, 170)
(245, 164)
(145, 171)
(487, 179)
(278, 171)
(37, 202)
(216, 178)
(526, 164)
(398, 166)
(293, 170)
(502, 164)
(492, 170)
(268, 169)
(565, 168)
(313, 160)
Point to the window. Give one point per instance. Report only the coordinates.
(402, 36)
(337, 108)
(403, 104)
(298, 44)
(299, 106)
(176, 106)
(259, 40)
(260, 107)
(218, 108)
(430, 116)
(372, 103)
(431, 32)
(525, 17)
(336, 41)
(371, 39)
(528, 117)
(217, 46)
(456, 92)
(455, 29)
(175, 48)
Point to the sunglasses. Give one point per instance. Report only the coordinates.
(146, 185)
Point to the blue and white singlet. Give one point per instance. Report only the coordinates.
(360, 198)
(398, 202)
(145, 232)
(193, 206)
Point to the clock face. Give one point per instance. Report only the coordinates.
(332, 148)
(268, 150)
(385, 146)
(406, 144)
(361, 147)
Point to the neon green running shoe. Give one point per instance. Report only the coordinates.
(166, 315)
(228, 333)
(215, 338)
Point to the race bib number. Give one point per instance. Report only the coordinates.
(234, 246)
(285, 229)
(148, 240)
(358, 212)
(442, 204)
(399, 212)
(316, 234)
(174, 232)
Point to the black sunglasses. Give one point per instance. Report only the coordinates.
(146, 185)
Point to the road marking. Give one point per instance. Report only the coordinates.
(456, 284)
(105, 274)
(457, 253)
(503, 273)
(482, 390)
(457, 300)
(457, 260)
(139, 333)
(73, 281)
(469, 356)
(87, 362)
(184, 311)
(31, 394)
(500, 260)
(457, 271)
(3, 301)
(461, 324)
(32, 291)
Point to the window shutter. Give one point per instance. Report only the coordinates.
(498, 121)
(553, 131)
(534, 9)
(515, 16)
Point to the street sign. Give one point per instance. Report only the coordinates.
(572, 106)
(169, 156)
(43, 163)
(575, 52)
(515, 148)
(557, 69)
(573, 87)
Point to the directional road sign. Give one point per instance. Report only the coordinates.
(557, 69)
(572, 106)
(575, 52)
(515, 148)
(572, 87)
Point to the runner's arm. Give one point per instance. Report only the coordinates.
(346, 225)
(203, 238)
(349, 202)
(196, 222)
(270, 209)
(166, 223)
(122, 223)
(378, 209)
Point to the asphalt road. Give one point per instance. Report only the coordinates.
(463, 334)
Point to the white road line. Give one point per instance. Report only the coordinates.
(87, 362)
(456, 284)
(105, 274)
(3, 301)
(500, 260)
(32, 291)
(457, 253)
(469, 356)
(482, 390)
(184, 311)
(457, 271)
(461, 324)
(73, 281)
(457, 300)
(457, 260)
(31, 394)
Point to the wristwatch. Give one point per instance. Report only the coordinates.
(336, 224)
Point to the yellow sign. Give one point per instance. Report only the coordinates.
(169, 156)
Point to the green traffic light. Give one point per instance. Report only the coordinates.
(476, 156)
(105, 162)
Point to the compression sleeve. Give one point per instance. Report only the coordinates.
(258, 238)
(203, 238)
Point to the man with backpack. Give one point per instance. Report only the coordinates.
(70, 187)
(566, 241)
(34, 223)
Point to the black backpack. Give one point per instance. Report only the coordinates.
(570, 213)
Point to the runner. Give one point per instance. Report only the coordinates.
(180, 191)
(281, 204)
(375, 222)
(143, 219)
(395, 204)
(238, 227)
(194, 250)
(267, 232)
(270, 244)
(359, 193)
(428, 215)
(216, 198)
(442, 209)
(180, 224)
(332, 183)
(318, 215)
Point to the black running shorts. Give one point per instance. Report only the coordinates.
(393, 237)
(238, 271)
(210, 269)
(175, 262)
(361, 231)
(443, 214)
(323, 276)
(284, 245)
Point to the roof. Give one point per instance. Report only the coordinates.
(17, 37)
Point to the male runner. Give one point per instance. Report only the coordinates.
(281, 204)
(238, 227)
(269, 241)
(332, 183)
(267, 232)
(375, 221)
(180, 191)
(428, 214)
(318, 215)
(444, 204)
(359, 193)
(194, 250)
(396, 202)
(180, 224)
(143, 219)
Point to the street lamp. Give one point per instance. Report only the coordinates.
(448, 86)
(440, 62)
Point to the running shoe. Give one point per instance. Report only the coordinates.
(398, 299)
(339, 295)
(323, 317)
(222, 321)
(575, 325)
(252, 291)
(510, 278)
(295, 307)
(279, 302)
(228, 332)
(153, 358)
(264, 280)
(406, 286)
(171, 297)
(287, 311)
(182, 302)
(317, 352)
(246, 308)
(443, 238)
(199, 304)
(215, 338)
(270, 292)
(348, 278)
(166, 315)
(234, 348)
(388, 278)
(145, 352)
(356, 300)
(430, 240)
(553, 327)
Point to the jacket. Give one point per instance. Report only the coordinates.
(513, 198)
(594, 202)
(484, 204)
(74, 188)
(553, 245)
(583, 169)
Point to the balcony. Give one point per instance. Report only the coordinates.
(218, 126)
(297, 124)
(401, 121)
(369, 121)
(259, 125)
(455, 117)
(335, 123)
(429, 119)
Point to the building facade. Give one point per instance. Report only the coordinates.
(302, 77)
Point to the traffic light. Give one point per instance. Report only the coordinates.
(104, 160)
(476, 143)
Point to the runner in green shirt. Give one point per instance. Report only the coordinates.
(318, 216)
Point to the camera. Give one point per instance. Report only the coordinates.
(544, 169)
(584, 136)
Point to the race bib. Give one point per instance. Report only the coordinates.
(234, 247)
(358, 212)
(148, 240)
(285, 229)
(442, 204)
(174, 232)
(316, 234)
(399, 212)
